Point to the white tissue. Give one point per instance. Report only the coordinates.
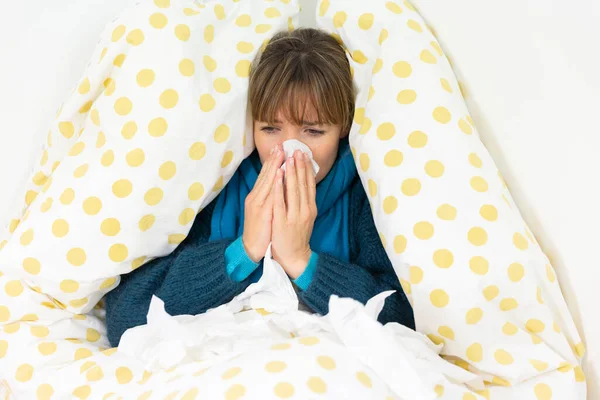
(290, 146)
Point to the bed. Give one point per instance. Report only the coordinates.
(100, 372)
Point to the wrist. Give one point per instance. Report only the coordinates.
(253, 255)
(296, 265)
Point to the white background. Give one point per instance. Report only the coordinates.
(532, 73)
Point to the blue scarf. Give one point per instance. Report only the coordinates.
(330, 232)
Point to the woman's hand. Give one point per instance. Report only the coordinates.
(294, 215)
(258, 211)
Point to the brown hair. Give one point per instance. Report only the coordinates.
(301, 67)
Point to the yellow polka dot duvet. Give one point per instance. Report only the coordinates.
(147, 139)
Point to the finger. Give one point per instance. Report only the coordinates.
(279, 211)
(311, 184)
(266, 184)
(291, 186)
(301, 176)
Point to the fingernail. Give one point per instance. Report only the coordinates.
(306, 156)
(291, 160)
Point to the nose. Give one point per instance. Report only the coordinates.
(290, 132)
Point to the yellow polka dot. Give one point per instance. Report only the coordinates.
(339, 19)
(423, 230)
(417, 139)
(186, 67)
(479, 184)
(508, 304)
(27, 237)
(477, 236)
(390, 204)
(359, 57)
(231, 373)
(491, 292)
(364, 162)
(243, 20)
(443, 258)
(436, 339)
(123, 106)
(402, 69)
(393, 158)
(158, 20)
(364, 379)
(550, 273)
(138, 262)
(118, 33)
(516, 272)
(309, 341)
(182, 32)
(76, 256)
(372, 187)
(4, 314)
(407, 96)
(3, 348)
(167, 170)
(446, 332)
(44, 392)
(169, 98)
(284, 390)
(539, 365)
(434, 168)
(326, 362)
(222, 85)
(207, 102)
(446, 85)
(245, 47)
(32, 266)
(197, 151)
(94, 374)
(122, 188)
(135, 37)
(535, 326)
(262, 28)
(110, 227)
(275, 367)
(520, 242)
(108, 283)
(82, 392)
(81, 171)
(439, 390)
(60, 228)
(235, 392)
(119, 60)
(442, 115)
(118, 252)
(187, 216)
(24, 373)
(542, 391)
(145, 77)
(489, 212)
(414, 25)
(157, 127)
(383, 35)
(465, 127)
(84, 86)
(503, 357)
(479, 265)
(365, 21)
(428, 57)
(69, 286)
(209, 33)
(317, 385)
(135, 157)
(107, 158)
(393, 7)
(469, 396)
(377, 66)
(109, 87)
(474, 315)
(196, 191)
(92, 205)
(66, 129)
(190, 394)
(100, 140)
(153, 196)
(437, 47)
(475, 352)
(242, 68)
(579, 375)
(411, 187)
(176, 238)
(510, 329)
(439, 298)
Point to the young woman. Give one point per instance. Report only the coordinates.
(321, 227)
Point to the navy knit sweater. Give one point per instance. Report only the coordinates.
(193, 278)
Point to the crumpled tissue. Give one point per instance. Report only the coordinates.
(290, 146)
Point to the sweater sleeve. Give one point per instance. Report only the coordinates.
(190, 281)
(368, 273)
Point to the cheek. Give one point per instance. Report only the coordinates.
(264, 144)
(325, 155)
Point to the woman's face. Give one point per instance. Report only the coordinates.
(323, 140)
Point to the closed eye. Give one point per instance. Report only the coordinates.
(315, 132)
(268, 129)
